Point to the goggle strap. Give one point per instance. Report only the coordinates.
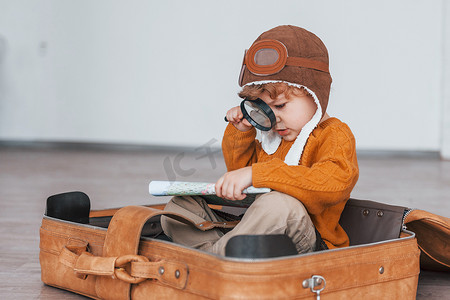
(307, 63)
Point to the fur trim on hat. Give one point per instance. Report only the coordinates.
(270, 140)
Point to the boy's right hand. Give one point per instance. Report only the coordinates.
(235, 117)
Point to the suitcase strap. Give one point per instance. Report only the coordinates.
(140, 267)
(433, 237)
(120, 265)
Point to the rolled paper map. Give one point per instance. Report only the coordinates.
(174, 188)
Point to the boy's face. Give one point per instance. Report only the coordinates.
(291, 113)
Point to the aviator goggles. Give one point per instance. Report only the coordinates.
(268, 57)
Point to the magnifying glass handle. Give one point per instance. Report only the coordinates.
(226, 120)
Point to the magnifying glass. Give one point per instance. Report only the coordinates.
(258, 113)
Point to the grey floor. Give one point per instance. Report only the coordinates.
(120, 176)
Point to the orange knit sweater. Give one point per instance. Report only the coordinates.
(327, 172)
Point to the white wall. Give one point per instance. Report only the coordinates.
(165, 72)
(445, 148)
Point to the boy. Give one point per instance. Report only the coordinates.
(308, 159)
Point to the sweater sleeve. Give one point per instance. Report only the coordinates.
(239, 148)
(322, 184)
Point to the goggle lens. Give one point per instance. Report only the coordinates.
(266, 57)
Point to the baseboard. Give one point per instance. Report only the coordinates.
(90, 146)
(363, 153)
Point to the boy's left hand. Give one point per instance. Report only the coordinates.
(231, 184)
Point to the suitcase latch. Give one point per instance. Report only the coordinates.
(315, 283)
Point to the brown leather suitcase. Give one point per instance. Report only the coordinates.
(117, 254)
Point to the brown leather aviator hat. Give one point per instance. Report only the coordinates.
(290, 54)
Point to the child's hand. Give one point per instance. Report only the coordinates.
(235, 117)
(231, 184)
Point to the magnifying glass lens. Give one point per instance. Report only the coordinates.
(258, 113)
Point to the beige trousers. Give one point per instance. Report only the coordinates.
(270, 213)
